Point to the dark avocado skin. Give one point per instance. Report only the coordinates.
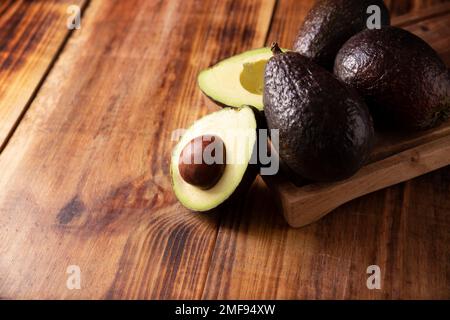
(405, 82)
(330, 23)
(325, 128)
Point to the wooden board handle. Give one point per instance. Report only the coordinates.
(304, 205)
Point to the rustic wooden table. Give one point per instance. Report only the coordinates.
(86, 118)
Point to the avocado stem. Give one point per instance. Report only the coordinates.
(275, 48)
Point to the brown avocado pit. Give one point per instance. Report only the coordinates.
(202, 161)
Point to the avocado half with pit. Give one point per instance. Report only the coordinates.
(211, 162)
(237, 81)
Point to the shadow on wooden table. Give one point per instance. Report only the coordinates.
(258, 208)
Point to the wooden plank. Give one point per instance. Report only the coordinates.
(402, 229)
(411, 7)
(304, 205)
(436, 31)
(421, 15)
(85, 178)
(31, 35)
(431, 24)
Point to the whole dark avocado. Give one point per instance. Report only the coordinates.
(330, 23)
(325, 128)
(405, 82)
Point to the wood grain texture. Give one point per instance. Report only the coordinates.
(421, 15)
(403, 229)
(85, 178)
(86, 175)
(31, 35)
(401, 7)
(435, 29)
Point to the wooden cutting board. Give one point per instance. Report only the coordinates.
(397, 157)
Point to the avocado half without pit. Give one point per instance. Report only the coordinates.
(238, 80)
(211, 162)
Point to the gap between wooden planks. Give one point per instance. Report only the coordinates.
(32, 34)
(86, 177)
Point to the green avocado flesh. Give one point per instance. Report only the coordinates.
(237, 81)
(236, 127)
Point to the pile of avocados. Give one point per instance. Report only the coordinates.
(324, 99)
